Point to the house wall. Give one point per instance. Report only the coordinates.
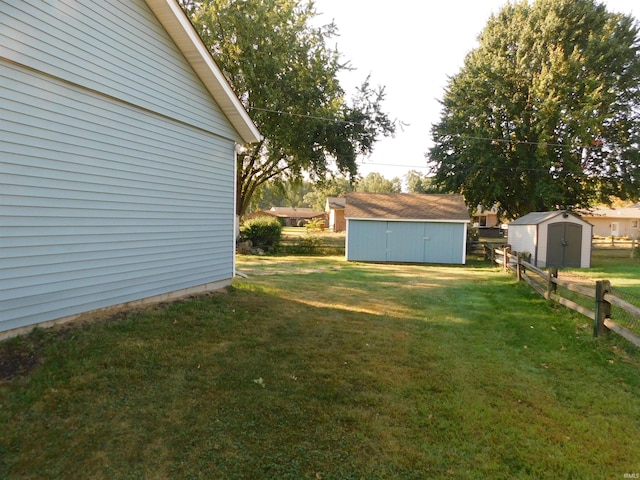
(485, 219)
(626, 227)
(406, 241)
(337, 222)
(116, 48)
(117, 166)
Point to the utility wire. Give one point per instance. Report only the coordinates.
(519, 142)
(469, 137)
(464, 137)
(313, 117)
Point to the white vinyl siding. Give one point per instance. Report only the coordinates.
(524, 238)
(114, 47)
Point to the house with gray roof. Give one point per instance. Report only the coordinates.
(615, 222)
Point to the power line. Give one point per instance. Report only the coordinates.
(363, 164)
(301, 115)
(519, 142)
(469, 137)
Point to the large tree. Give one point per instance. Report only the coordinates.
(545, 112)
(284, 72)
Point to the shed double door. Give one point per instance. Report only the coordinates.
(564, 244)
(412, 242)
(423, 242)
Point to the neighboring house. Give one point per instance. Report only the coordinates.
(400, 227)
(291, 216)
(559, 238)
(335, 206)
(487, 222)
(615, 222)
(117, 159)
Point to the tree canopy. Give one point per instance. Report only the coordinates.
(284, 72)
(545, 112)
(417, 182)
(374, 182)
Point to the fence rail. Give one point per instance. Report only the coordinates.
(594, 301)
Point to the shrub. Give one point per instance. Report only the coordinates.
(264, 232)
(315, 225)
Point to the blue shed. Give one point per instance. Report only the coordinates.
(117, 159)
(406, 228)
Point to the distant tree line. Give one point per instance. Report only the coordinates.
(306, 194)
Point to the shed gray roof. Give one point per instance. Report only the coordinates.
(536, 218)
(405, 206)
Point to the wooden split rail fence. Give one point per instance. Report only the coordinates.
(546, 283)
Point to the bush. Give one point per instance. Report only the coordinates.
(315, 225)
(264, 232)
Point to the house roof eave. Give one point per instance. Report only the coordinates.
(180, 29)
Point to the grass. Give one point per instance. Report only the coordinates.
(616, 265)
(318, 368)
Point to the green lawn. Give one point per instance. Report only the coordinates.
(317, 368)
(616, 265)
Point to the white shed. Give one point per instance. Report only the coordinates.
(406, 228)
(560, 239)
(117, 158)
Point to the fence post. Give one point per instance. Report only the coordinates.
(552, 287)
(603, 308)
(518, 267)
(505, 263)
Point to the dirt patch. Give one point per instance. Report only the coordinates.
(17, 360)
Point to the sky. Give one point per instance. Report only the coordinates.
(411, 47)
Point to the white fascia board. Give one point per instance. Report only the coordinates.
(416, 220)
(176, 23)
(464, 246)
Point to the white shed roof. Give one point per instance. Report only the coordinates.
(536, 218)
(176, 23)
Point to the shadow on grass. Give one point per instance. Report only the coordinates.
(337, 371)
